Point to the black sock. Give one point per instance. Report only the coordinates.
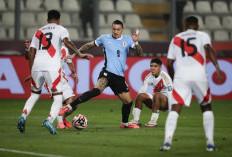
(126, 112)
(86, 96)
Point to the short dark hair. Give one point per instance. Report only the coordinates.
(118, 22)
(53, 15)
(191, 20)
(157, 61)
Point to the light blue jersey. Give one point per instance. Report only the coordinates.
(116, 51)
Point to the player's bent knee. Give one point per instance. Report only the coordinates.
(206, 107)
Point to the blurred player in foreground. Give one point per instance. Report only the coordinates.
(68, 94)
(116, 48)
(45, 65)
(188, 50)
(162, 89)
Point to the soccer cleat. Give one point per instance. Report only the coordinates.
(67, 124)
(21, 124)
(165, 147)
(63, 110)
(61, 125)
(49, 126)
(130, 125)
(211, 148)
(151, 123)
(134, 122)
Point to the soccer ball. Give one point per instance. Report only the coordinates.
(80, 122)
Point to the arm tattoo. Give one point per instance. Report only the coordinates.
(85, 47)
(138, 49)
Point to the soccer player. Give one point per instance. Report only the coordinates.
(45, 65)
(162, 89)
(68, 94)
(116, 48)
(188, 50)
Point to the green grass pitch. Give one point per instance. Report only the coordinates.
(103, 136)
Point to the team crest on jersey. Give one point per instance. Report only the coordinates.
(124, 44)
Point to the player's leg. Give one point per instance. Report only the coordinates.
(68, 97)
(160, 102)
(202, 93)
(140, 99)
(36, 85)
(126, 107)
(181, 95)
(55, 84)
(97, 90)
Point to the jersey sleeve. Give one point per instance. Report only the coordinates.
(168, 84)
(171, 54)
(144, 86)
(206, 39)
(99, 41)
(64, 34)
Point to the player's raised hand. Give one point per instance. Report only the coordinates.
(135, 35)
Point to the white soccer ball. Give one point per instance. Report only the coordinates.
(80, 122)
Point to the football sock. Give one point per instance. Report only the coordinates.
(56, 105)
(59, 119)
(155, 116)
(136, 113)
(126, 112)
(86, 96)
(208, 123)
(170, 126)
(30, 104)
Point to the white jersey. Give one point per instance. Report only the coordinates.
(47, 41)
(64, 53)
(187, 48)
(162, 84)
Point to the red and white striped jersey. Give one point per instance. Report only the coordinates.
(47, 41)
(187, 48)
(162, 84)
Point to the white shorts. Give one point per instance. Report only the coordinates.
(52, 78)
(183, 90)
(67, 91)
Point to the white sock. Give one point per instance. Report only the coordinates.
(136, 113)
(208, 123)
(155, 116)
(30, 104)
(170, 126)
(56, 105)
(59, 119)
(69, 106)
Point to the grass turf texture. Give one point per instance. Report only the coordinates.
(104, 138)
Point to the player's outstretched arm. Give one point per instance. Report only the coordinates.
(31, 56)
(138, 49)
(71, 46)
(211, 53)
(87, 46)
(170, 68)
(72, 69)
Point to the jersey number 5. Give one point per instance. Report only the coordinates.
(183, 48)
(48, 39)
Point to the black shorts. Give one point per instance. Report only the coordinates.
(115, 82)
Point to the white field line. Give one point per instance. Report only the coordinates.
(29, 153)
